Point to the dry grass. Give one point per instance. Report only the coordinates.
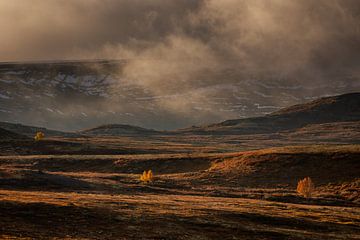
(335, 133)
(241, 195)
(101, 216)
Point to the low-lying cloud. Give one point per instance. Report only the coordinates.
(180, 48)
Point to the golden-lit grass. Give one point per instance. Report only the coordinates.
(194, 215)
(195, 196)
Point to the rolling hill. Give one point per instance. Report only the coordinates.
(7, 135)
(342, 108)
(30, 131)
(118, 130)
(337, 115)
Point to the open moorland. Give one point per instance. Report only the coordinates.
(210, 182)
(242, 195)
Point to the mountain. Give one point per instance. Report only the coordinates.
(117, 130)
(71, 95)
(342, 108)
(337, 114)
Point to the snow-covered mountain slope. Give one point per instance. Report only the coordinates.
(83, 94)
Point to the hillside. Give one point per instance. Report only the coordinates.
(286, 165)
(270, 168)
(30, 131)
(117, 130)
(342, 108)
(7, 135)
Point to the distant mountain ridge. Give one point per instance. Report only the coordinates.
(117, 129)
(332, 110)
(72, 95)
(342, 108)
(335, 109)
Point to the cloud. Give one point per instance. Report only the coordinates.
(184, 53)
(295, 40)
(252, 33)
(62, 29)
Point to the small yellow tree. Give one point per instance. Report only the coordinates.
(305, 187)
(39, 136)
(147, 176)
(150, 175)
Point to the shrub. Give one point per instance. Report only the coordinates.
(39, 136)
(147, 176)
(305, 187)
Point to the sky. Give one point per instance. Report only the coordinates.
(180, 41)
(254, 33)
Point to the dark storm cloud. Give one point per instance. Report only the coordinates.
(276, 34)
(48, 29)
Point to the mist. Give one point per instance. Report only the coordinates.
(177, 50)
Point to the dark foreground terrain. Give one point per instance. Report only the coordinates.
(239, 195)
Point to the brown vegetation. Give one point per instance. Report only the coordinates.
(238, 195)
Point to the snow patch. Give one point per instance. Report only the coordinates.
(5, 111)
(4, 96)
(258, 106)
(6, 81)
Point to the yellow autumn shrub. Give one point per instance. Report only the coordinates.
(305, 187)
(147, 176)
(39, 136)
